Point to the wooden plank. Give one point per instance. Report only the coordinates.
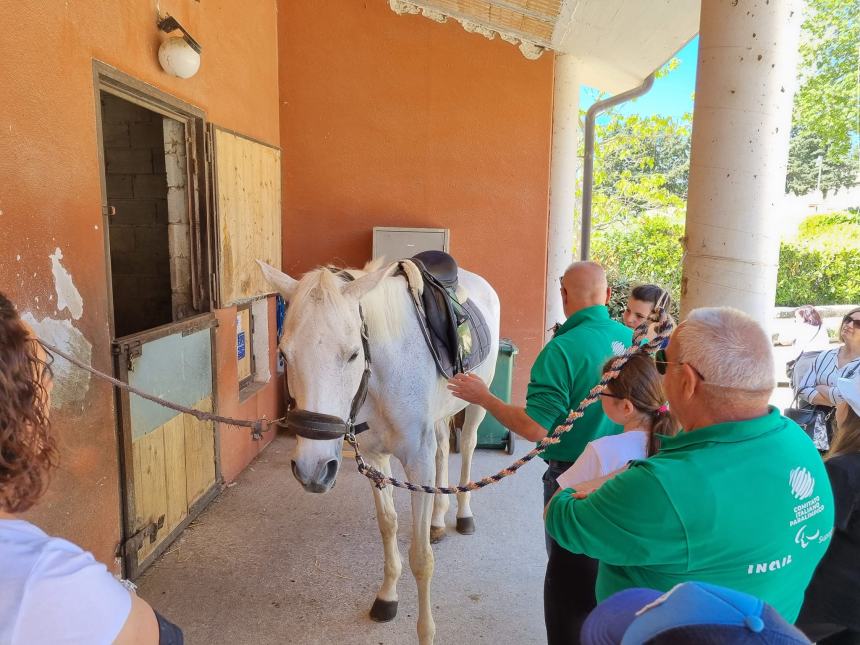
(150, 484)
(199, 454)
(176, 485)
(249, 214)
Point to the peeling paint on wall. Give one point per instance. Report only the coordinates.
(68, 296)
(71, 383)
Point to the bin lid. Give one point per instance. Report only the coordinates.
(506, 345)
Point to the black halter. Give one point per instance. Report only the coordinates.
(315, 425)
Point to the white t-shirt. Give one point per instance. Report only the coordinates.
(52, 591)
(604, 455)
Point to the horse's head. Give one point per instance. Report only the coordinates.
(325, 362)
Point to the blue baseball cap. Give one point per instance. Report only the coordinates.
(691, 612)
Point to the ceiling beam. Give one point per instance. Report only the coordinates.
(524, 11)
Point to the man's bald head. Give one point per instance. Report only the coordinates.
(583, 285)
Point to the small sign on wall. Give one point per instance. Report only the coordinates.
(243, 344)
(240, 345)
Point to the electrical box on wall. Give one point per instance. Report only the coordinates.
(396, 243)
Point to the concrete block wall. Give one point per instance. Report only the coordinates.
(178, 220)
(137, 188)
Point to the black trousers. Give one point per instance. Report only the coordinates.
(168, 633)
(829, 634)
(568, 588)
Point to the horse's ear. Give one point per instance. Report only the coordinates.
(365, 284)
(285, 285)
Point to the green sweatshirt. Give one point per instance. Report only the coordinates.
(564, 373)
(746, 505)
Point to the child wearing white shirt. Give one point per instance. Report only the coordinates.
(634, 400)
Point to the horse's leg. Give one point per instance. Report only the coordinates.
(468, 440)
(441, 502)
(419, 469)
(385, 606)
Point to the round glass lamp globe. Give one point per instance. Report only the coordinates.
(177, 58)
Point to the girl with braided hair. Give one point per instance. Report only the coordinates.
(634, 400)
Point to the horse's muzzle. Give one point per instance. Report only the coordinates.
(321, 481)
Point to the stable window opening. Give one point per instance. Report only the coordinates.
(149, 210)
(252, 346)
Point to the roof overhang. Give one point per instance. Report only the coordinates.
(619, 42)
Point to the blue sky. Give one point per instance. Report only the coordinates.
(670, 96)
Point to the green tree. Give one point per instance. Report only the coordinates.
(647, 249)
(641, 164)
(826, 107)
(806, 153)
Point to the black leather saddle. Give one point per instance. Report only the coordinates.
(457, 334)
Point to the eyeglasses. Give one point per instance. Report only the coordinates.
(848, 320)
(611, 396)
(662, 366)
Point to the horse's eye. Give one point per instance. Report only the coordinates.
(353, 357)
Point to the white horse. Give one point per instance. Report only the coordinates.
(407, 407)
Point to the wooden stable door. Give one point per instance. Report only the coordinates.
(170, 457)
(157, 243)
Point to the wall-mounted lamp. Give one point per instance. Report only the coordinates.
(178, 55)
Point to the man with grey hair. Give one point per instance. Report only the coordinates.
(738, 498)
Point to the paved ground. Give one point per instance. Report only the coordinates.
(269, 563)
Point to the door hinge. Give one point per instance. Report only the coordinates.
(133, 544)
(130, 351)
(108, 210)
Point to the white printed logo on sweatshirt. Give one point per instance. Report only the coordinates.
(803, 539)
(801, 482)
(618, 348)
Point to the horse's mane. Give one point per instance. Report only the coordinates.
(383, 307)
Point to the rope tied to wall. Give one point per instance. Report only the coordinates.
(258, 426)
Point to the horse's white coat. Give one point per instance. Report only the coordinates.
(407, 406)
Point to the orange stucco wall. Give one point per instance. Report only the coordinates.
(50, 193)
(236, 451)
(393, 120)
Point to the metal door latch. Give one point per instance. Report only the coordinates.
(131, 351)
(133, 544)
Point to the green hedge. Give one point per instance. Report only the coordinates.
(822, 266)
(817, 276)
(647, 251)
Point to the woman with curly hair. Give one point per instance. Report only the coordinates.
(51, 591)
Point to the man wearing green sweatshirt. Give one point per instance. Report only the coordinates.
(563, 374)
(739, 498)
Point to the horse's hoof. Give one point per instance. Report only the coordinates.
(437, 534)
(465, 525)
(383, 610)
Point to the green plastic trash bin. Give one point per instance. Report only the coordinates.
(491, 433)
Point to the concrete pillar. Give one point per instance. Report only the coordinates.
(741, 123)
(562, 235)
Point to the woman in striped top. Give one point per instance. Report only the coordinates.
(819, 385)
